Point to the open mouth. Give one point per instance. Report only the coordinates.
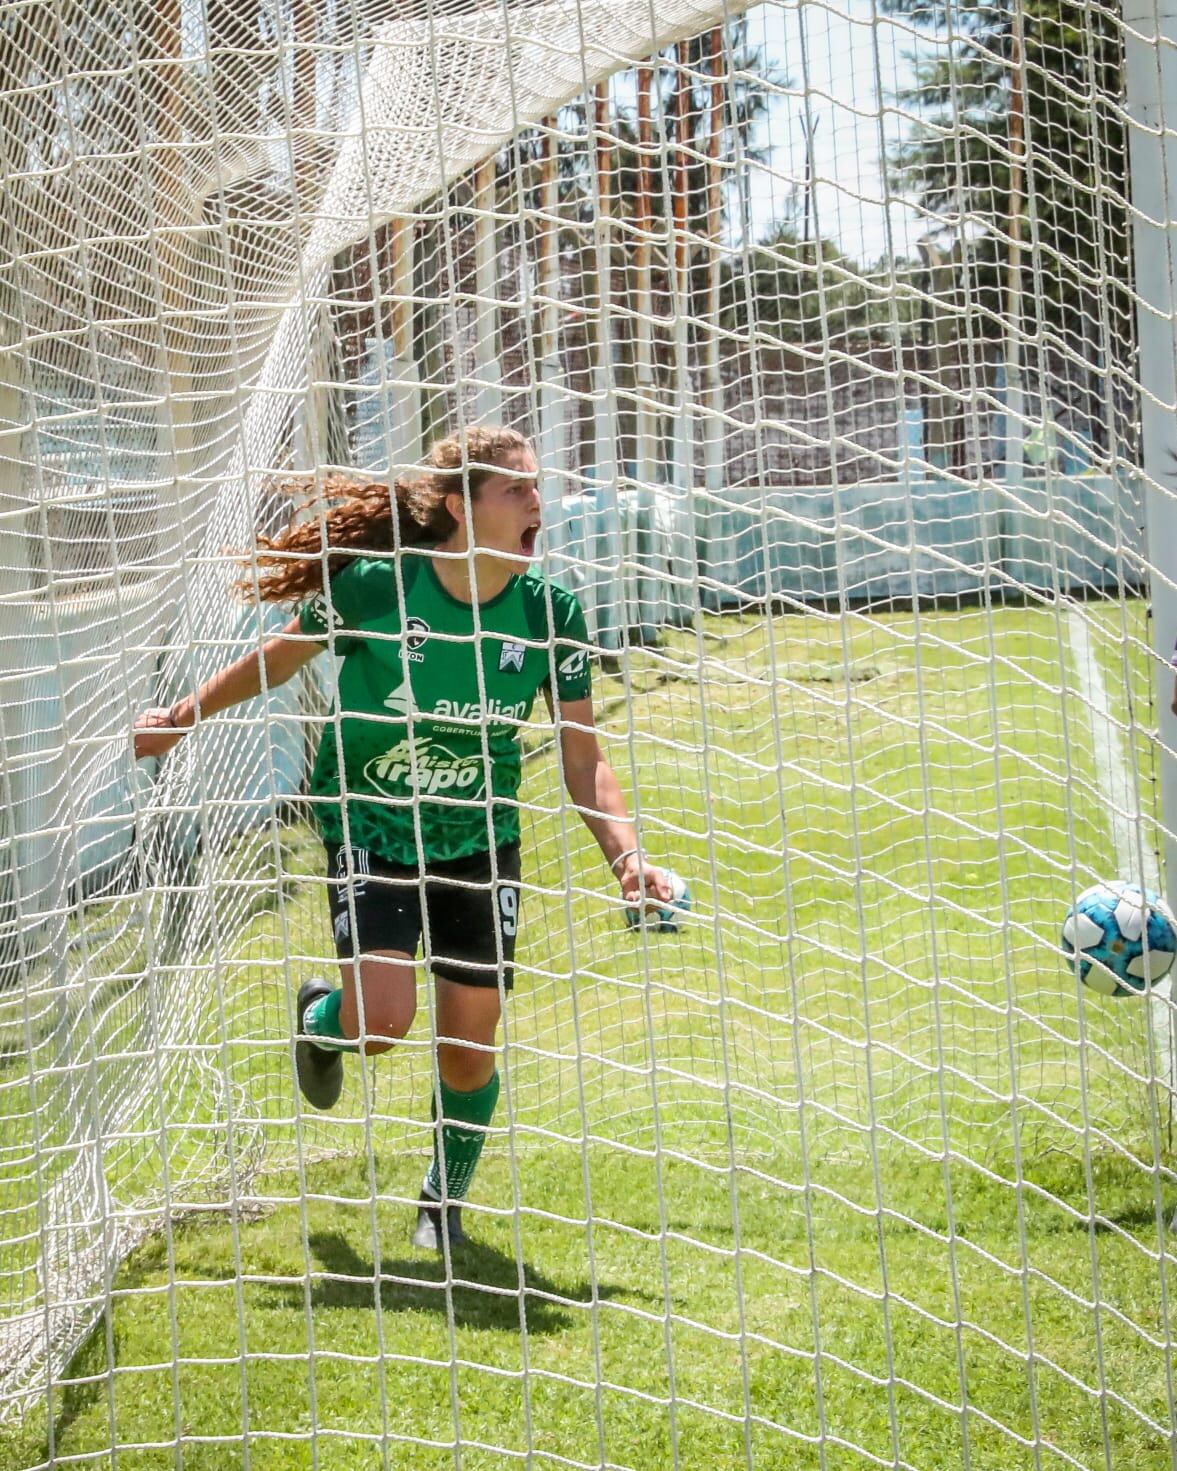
(528, 539)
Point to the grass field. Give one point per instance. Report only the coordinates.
(849, 1173)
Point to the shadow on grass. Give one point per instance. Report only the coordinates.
(1140, 1216)
(84, 1386)
(485, 1290)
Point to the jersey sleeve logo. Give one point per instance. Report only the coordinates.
(320, 611)
(572, 665)
(511, 656)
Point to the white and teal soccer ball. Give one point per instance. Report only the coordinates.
(1121, 938)
(663, 919)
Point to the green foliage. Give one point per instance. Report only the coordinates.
(680, 117)
(958, 159)
(800, 295)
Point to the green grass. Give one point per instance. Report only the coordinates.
(849, 1154)
(300, 1337)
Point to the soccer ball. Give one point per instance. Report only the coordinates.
(663, 919)
(1104, 938)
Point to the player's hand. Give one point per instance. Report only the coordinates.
(644, 881)
(154, 733)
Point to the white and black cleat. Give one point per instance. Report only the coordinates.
(428, 1230)
(319, 1069)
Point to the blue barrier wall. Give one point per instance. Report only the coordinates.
(932, 539)
(874, 542)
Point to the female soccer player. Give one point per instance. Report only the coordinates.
(445, 639)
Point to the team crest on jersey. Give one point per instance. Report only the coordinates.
(416, 632)
(511, 656)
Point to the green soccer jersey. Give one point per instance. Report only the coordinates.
(430, 704)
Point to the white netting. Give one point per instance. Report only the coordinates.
(825, 326)
(201, 262)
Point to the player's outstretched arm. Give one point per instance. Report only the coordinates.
(157, 730)
(592, 785)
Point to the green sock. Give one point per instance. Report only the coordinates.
(321, 1021)
(461, 1145)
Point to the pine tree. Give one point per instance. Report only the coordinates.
(1044, 220)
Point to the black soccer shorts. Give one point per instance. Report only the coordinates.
(471, 906)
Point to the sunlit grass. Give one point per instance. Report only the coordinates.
(848, 1169)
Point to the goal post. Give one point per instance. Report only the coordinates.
(1150, 70)
(844, 336)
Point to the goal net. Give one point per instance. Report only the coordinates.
(845, 339)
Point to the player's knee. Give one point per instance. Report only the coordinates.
(374, 1046)
(382, 1033)
(464, 1068)
(394, 1024)
(387, 1025)
(383, 1022)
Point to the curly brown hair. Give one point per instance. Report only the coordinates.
(357, 514)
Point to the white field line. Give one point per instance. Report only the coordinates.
(1135, 858)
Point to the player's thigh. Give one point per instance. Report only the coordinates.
(473, 914)
(376, 922)
(375, 906)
